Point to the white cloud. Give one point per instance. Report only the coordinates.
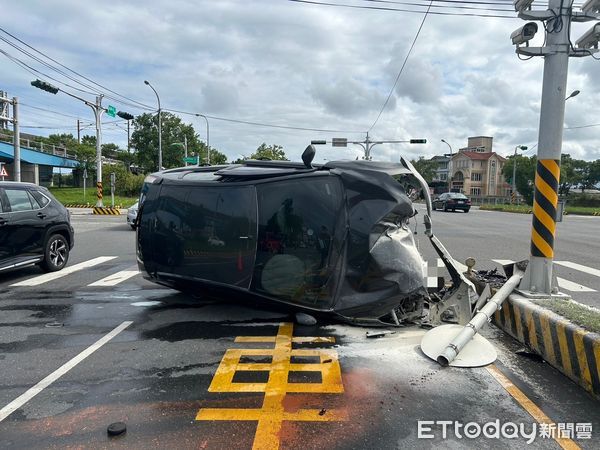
(299, 65)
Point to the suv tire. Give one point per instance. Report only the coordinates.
(56, 253)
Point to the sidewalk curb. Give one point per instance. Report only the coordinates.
(565, 346)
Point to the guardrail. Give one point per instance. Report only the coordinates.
(40, 146)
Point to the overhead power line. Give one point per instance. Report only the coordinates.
(401, 68)
(142, 105)
(259, 124)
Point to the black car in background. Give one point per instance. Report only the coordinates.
(451, 201)
(34, 228)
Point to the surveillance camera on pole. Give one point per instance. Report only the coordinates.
(522, 5)
(591, 7)
(524, 34)
(590, 38)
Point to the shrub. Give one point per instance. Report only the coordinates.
(126, 183)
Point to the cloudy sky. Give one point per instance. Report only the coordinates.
(294, 64)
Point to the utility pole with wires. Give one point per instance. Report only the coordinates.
(538, 280)
(367, 144)
(98, 110)
(16, 134)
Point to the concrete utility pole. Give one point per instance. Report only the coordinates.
(538, 279)
(98, 110)
(16, 134)
(16, 139)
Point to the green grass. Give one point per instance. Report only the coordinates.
(68, 195)
(526, 209)
(585, 317)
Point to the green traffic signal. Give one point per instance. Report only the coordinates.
(44, 86)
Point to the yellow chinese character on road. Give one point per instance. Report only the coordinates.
(272, 414)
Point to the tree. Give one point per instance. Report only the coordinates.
(174, 132)
(111, 150)
(426, 167)
(592, 176)
(216, 157)
(571, 173)
(89, 140)
(525, 175)
(64, 140)
(269, 152)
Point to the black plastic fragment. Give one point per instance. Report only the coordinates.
(116, 429)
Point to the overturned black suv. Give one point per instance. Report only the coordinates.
(328, 238)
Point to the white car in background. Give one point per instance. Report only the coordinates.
(132, 215)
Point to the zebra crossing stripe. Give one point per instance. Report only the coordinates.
(36, 281)
(116, 278)
(573, 287)
(580, 267)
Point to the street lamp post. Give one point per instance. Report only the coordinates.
(575, 93)
(449, 166)
(514, 180)
(207, 139)
(159, 127)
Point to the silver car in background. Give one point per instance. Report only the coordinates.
(132, 215)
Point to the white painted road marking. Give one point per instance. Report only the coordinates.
(582, 268)
(114, 279)
(503, 262)
(36, 281)
(35, 390)
(562, 283)
(573, 287)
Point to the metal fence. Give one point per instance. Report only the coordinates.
(40, 146)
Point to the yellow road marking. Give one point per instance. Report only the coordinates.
(272, 414)
(529, 406)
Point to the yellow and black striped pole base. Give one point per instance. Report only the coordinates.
(99, 192)
(545, 202)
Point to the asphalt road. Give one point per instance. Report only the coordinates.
(489, 236)
(101, 345)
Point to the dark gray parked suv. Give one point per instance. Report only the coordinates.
(34, 228)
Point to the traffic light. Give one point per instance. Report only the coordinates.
(125, 115)
(44, 86)
(418, 141)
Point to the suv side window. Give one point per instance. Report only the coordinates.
(19, 200)
(40, 198)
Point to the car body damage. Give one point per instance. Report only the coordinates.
(330, 238)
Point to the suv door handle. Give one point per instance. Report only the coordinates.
(41, 215)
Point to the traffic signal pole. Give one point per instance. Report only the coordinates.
(98, 110)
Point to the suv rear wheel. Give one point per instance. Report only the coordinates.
(56, 253)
